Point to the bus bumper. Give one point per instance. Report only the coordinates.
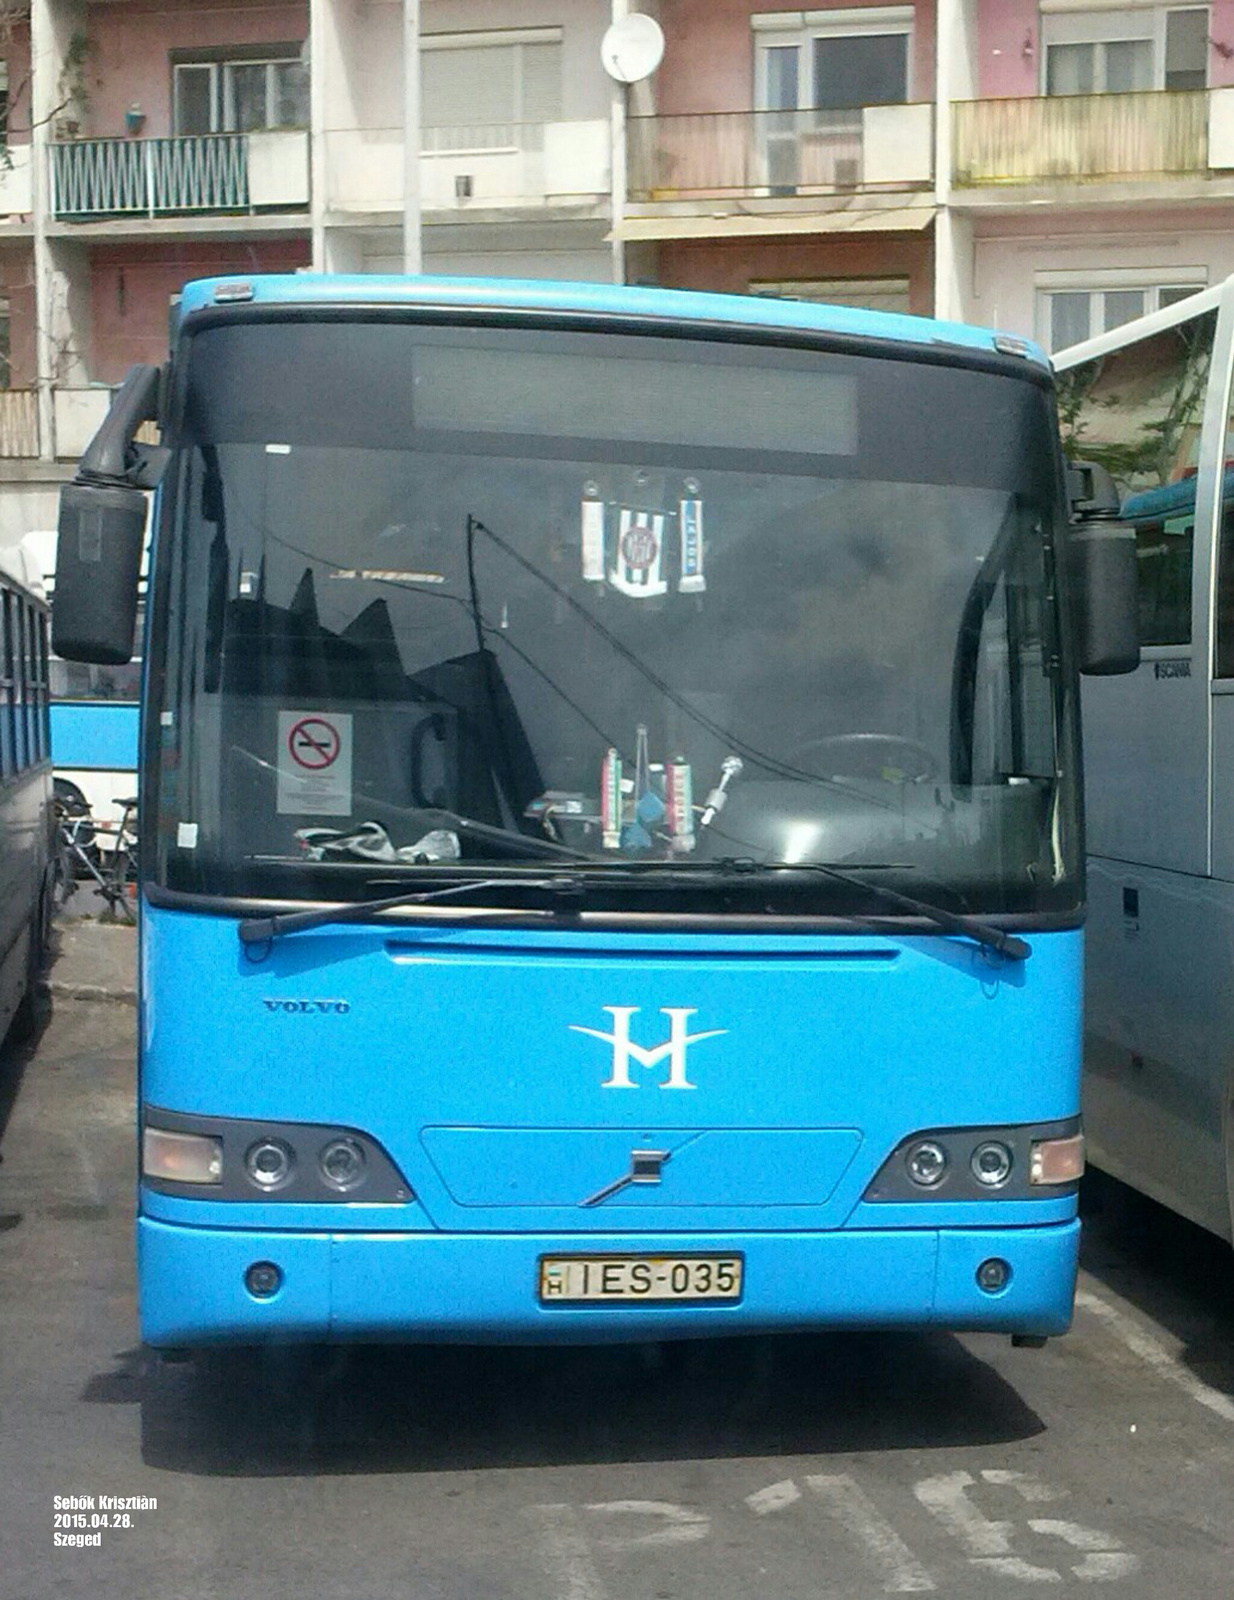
(469, 1288)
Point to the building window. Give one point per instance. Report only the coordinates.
(1115, 52)
(1072, 315)
(835, 61)
(870, 294)
(6, 346)
(477, 89)
(241, 92)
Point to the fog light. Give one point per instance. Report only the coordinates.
(342, 1164)
(1057, 1160)
(181, 1157)
(263, 1279)
(926, 1164)
(993, 1275)
(991, 1164)
(269, 1163)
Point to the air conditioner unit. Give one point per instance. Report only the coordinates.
(464, 186)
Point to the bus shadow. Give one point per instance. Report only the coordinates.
(1177, 1274)
(366, 1409)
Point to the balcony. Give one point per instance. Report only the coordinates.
(1089, 138)
(241, 173)
(19, 424)
(477, 167)
(776, 154)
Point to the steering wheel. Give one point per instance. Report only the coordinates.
(869, 755)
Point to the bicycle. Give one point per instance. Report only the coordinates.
(111, 870)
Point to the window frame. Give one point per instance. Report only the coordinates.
(222, 87)
(1151, 284)
(1102, 27)
(778, 30)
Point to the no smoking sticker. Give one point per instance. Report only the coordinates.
(314, 763)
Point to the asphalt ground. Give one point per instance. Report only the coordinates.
(851, 1466)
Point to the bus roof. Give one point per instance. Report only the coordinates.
(619, 300)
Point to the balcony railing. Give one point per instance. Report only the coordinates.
(19, 423)
(717, 153)
(237, 172)
(470, 166)
(1081, 137)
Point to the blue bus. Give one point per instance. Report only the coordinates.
(94, 708)
(27, 817)
(612, 851)
(1152, 402)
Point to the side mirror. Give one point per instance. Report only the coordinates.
(98, 561)
(1104, 577)
(102, 529)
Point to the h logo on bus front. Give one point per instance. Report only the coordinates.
(625, 1051)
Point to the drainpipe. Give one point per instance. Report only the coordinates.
(412, 256)
(617, 157)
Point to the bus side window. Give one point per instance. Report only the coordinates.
(8, 756)
(1225, 570)
(44, 673)
(1164, 549)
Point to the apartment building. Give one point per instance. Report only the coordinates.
(151, 141)
(1050, 167)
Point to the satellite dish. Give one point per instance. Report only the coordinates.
(632, 48)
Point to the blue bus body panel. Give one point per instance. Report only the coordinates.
(603, 299)
(94, 735)
(491, 1066)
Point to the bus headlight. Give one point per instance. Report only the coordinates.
(181, 1157)
(269, 1163)
(342, 1164)
(926, 1163)
(991, 1163)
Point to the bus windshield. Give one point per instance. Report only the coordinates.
(470, 596)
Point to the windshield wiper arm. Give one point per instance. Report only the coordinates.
(980, 932)
(261, 930)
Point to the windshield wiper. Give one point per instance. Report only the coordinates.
(982, 933)
(261, 930)
(729, 870)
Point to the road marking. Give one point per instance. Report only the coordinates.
(946, 1497)
(1032, 1489)
(566, 1554)
(1105, 1558)
(774, 1497)
(1019, 1569)
(682, 1524)
(1154, 1354)
(901, 1572)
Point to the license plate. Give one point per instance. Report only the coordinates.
(570, 1280)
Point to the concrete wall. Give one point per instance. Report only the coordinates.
(1008, 266)
(131, 286)
(709, 53)
(729, 266)
(133, 42)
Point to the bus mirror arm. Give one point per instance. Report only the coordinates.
(113, 458)
(102, 530)
(1103, 575)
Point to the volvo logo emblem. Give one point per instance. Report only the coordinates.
(626, 1052)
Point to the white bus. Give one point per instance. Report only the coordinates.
(1151, 401)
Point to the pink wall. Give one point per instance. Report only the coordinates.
(15, 48)
(709, 54)
(729, 266)
(131, 286)
(1005, 67)
(133, 43)
(17, 287)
